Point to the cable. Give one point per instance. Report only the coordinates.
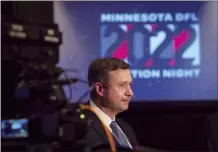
(108, 133)
(70, 70)
(80, 80)
(83, 96)
(69, 86)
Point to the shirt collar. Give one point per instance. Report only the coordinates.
(104, 117)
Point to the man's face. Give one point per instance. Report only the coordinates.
(117, 93)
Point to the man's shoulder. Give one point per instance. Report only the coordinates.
(90, 114)
(125, 126)
(122, 122)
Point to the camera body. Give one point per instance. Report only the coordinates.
(34, 107)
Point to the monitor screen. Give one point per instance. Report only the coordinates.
(14, 128)
(171, 46)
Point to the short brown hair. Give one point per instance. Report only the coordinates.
(99, 68)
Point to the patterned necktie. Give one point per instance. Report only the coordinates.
(119, 136)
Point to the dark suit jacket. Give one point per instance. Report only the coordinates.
(96, 136)
(211, 126)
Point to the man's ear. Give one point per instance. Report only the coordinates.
(99, 89)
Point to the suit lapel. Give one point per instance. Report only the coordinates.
(96, 124)
(124, 129)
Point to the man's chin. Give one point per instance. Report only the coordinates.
(124, 108)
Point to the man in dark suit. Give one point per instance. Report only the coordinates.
(110, 80)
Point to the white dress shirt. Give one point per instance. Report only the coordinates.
(106, 119)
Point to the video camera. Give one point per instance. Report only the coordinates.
(34, 107)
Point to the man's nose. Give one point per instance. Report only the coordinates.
(129, 92)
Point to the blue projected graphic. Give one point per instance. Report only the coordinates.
(171, 46)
